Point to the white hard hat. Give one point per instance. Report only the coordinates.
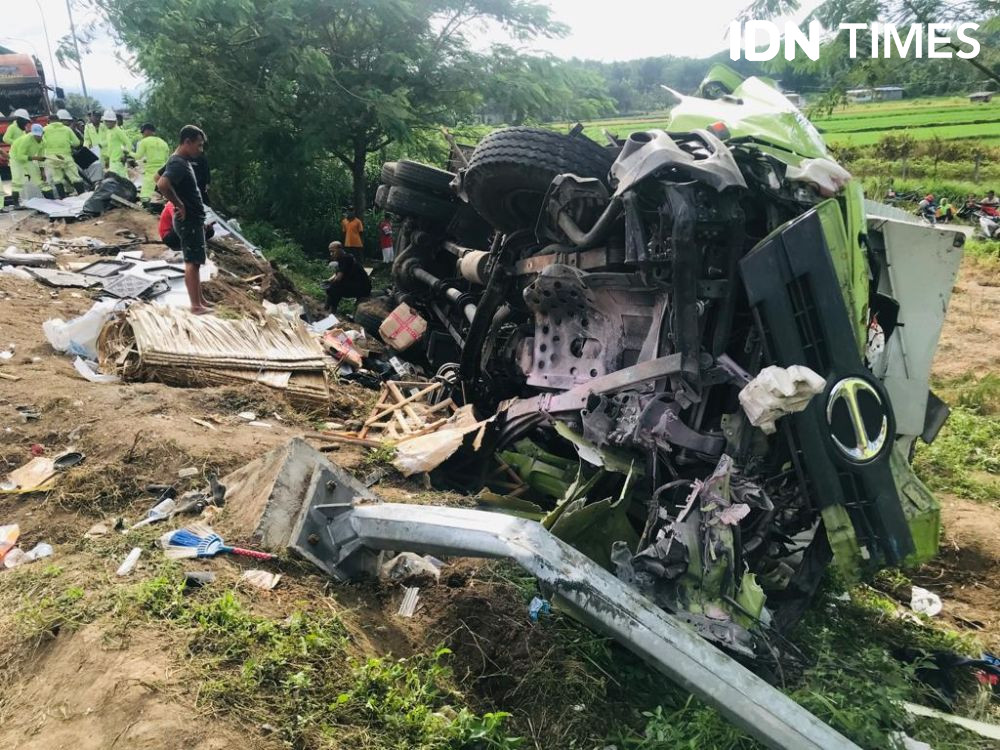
(22, 113)
(63, 114)
(109, 116)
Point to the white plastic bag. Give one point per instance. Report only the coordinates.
(777, 391)
(79, 335)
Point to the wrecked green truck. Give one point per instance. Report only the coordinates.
(708, 359)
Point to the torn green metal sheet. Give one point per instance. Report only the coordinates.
(512, 504)
(921, 508)
(608, 458)
(843, 231)
(592, 528)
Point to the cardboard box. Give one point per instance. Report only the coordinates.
(402, 328)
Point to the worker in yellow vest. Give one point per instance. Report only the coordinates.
(117, 144)
(59, 141)
(153, 152)
(91, 134)
(26, 154)
(19, 126)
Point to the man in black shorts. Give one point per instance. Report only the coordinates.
(349, 278)
(179, 186)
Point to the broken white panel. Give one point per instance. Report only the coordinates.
(922, 264)
(925, 602)
(67, 208)
(778, 391)
(409, 604)
(87, 372)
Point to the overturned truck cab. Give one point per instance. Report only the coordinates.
(708, 356)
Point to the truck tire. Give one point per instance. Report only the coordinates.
(389, 173)
(423, 177)
(370, 314)
(511, 169)
(404, 201)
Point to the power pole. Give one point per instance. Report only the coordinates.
(48, 45)
(76, 44)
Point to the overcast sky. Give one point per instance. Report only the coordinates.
(598, 29)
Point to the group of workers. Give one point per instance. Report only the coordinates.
(934, 210)
(33, 146)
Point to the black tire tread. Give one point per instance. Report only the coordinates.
(404, 201)
(527, 158)
(419, 176)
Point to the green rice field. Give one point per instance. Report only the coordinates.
(951, 118)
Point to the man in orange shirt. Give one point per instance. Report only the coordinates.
(352, 228)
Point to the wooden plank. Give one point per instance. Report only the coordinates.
(5, 376)
(343, 439)
(406, 404)
(429, 389)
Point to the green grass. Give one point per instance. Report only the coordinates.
(307, 272)
(985, 131)
(965, 457)
(298, 675)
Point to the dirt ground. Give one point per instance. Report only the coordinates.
(78, 690)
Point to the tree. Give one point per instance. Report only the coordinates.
(80, 105)
(318, 79)
(831, 13)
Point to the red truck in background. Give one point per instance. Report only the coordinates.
(22, 86)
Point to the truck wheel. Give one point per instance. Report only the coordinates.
(389, 173)
(404, 201)
(511, 169)
(423, 177)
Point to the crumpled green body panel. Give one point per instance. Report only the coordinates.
(754, 110)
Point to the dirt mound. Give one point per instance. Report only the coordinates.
(79, 694)
(972, 325)
(966, 572)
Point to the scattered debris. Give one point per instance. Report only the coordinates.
(203, 423)
(538, 607)
(198, 540)
(129, 563)
(37, 475)
(990, 731)
(9, 535)
(264, 425)
(88, 371)
(925, 602)
(249, 416)
(160, 512)
(15, 257)
(79, 335)
(194, 579)
(17, 556)
(406, 409)
(409, 567)
(61, 279)
(98, 529)
(408, 606)
(187, 472)
(66, 208)
(424, 452)
(173, 346)
(261, 579)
